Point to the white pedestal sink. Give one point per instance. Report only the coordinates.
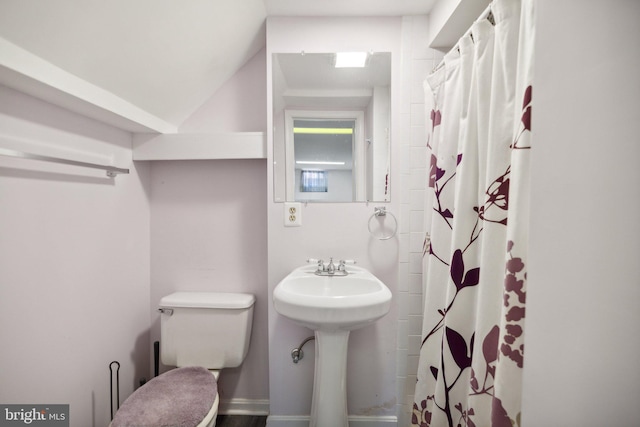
(332, 306)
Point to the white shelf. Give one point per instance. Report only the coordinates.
(200, 146)
(450, 19)
(30, 74)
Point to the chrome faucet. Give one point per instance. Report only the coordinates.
(331, 269)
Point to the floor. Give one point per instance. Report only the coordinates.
(241, 421)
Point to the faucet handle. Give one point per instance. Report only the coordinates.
(343, 263)
(319, 262)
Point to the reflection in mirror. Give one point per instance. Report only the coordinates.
(331, 128)
(328, 142)
(323, 158)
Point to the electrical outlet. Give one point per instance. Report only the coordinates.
(292, 214)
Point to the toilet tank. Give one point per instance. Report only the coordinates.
(207, 329)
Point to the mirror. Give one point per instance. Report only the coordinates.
(331, 125)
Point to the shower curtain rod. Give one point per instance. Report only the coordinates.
(111, 170)
(486, 14)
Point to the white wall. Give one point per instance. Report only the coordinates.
(332, 229)
(74, 263)
(208, 222)
(583, 317)
(208, 227)
(238, 106)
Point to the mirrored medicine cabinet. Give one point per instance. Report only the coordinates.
(331, 128)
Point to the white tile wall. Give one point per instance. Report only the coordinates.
(418, 61)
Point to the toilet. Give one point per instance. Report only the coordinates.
(200, 334)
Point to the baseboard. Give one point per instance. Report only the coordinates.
(244, 407)
(372, 421)
(354, 421)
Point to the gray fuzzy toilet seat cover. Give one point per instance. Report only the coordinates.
(181, 397)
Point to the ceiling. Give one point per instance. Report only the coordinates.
(160, 58)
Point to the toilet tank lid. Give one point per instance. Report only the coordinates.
(207, 300)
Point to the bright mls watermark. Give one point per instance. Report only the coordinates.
(34, 415)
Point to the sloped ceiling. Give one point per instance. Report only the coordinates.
(163, 57)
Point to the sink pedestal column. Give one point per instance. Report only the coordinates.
(329, 404)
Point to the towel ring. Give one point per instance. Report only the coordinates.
(381, 211)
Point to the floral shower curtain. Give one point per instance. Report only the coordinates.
(476, 217)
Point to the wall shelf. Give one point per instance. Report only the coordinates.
(449, 19)
(29, 74)
(200, 146)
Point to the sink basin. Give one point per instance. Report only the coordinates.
(332, 302)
